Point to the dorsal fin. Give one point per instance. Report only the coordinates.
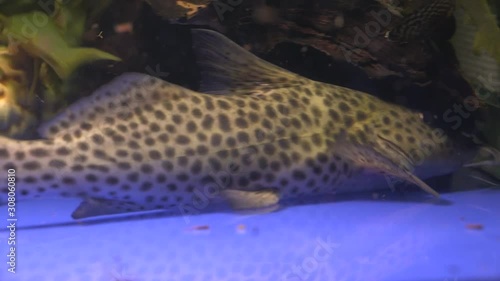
(115, 99)
(227, 68)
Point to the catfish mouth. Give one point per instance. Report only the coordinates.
(448, 161)
(485, 156)
(425, 162)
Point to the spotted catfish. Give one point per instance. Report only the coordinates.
(424, 22)
(254, 137)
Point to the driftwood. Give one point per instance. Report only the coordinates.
(422, 73)
(345, 40)
(351, 31)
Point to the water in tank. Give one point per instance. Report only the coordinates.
(257, 140)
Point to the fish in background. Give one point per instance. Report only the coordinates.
(424, 23)
(477, 46)
(253, 138)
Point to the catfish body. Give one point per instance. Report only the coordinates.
(254, 136)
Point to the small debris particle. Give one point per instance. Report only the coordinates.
(475, 226)
(241, 229)
(124, 27)
(200, 228)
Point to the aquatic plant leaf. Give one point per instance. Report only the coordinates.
(488, 39)
(17, 119)
(19, 6)
(71, 17)
(46, 42)
(488, 34)
(53, 95)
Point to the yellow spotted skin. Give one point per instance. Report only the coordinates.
(140, 143)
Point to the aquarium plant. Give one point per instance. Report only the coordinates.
(40, 47)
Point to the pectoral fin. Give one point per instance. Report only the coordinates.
(261, 201)
(92, 207)
(370, 159)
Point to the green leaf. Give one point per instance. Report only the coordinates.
(71, 17)
(11, 7)
(37, 34)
